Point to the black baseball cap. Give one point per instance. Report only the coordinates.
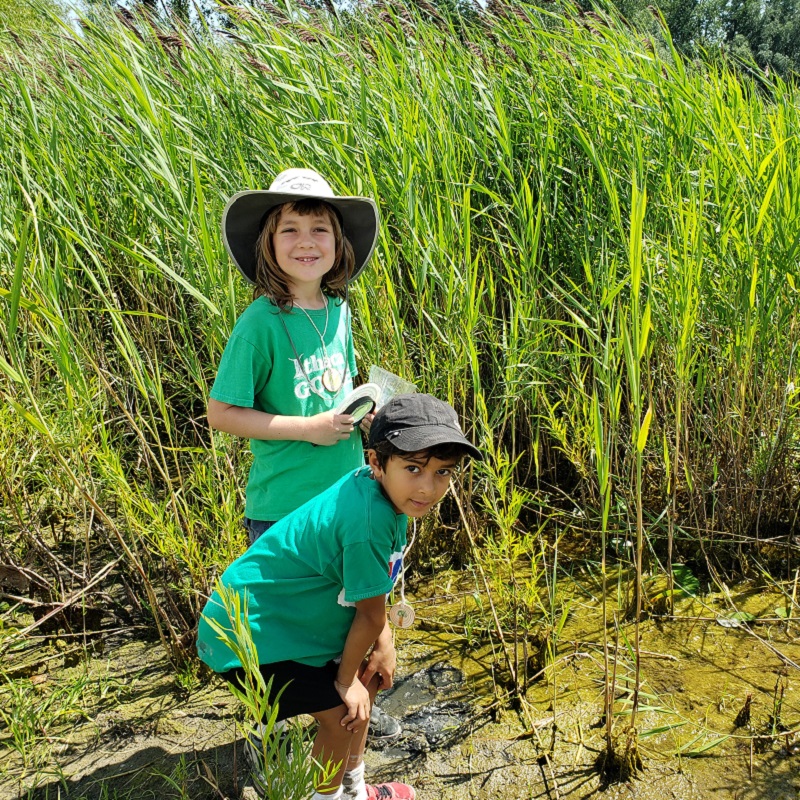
(414, 422)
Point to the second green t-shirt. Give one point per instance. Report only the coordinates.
(303, 576)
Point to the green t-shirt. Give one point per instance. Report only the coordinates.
(259, 369)
(303, 576)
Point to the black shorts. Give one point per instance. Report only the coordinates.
(308, 689)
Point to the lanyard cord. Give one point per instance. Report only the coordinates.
(314, 324)
(405, 565)
(324, 351)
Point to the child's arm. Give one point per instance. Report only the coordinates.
(368, 624)
(382, 660)
(326, 428)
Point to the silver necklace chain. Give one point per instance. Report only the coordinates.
(330, 375)
(314, 325)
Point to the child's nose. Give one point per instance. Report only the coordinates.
(428, 484)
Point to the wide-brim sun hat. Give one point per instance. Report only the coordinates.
(415, 422)
(243, 217)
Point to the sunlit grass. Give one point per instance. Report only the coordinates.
(513, 274)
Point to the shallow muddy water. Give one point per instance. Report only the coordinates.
(698, 670)
(145, 738)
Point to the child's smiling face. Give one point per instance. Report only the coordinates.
(413, 484)
(305, 249)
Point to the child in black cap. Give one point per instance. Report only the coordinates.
(318, 612)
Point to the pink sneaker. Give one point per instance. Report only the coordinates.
(390, 791)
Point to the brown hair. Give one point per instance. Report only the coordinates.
(272, 281)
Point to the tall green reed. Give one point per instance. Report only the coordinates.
(286, 770)
(501, 154)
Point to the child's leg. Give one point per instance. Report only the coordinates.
(335, 744)
(353, 784)
(360, 739)
(332, 746)
(353, 778)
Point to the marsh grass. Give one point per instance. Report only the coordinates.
(37, 712)
(630, 366)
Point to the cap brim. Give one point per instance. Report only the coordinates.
(241, 225)
(424, 437)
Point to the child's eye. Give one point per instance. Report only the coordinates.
(445, 471)
(413, 469)
(322, 230)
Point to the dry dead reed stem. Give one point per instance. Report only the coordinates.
(489, 595)
(71, 600)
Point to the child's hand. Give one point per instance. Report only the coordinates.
(366, 423)
(356, 698)
(328, 428)
(382, 661)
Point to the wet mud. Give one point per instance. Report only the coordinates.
(432, 715)
(698, 669)
(462, 738)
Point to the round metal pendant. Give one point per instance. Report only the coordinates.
(332, 380)
(402, 615)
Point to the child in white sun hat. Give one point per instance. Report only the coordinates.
(290, 360)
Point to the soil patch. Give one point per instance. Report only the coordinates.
(133, 733)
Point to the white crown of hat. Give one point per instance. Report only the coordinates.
(301, 181)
